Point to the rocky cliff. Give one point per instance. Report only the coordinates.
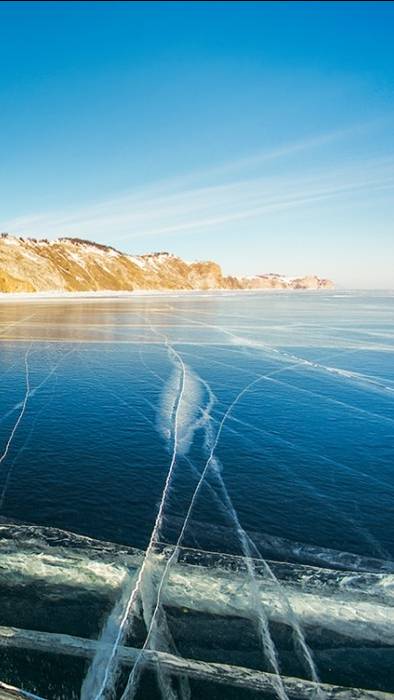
(71, 265)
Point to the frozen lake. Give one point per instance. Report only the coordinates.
(209, 476)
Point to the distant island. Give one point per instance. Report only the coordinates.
(78, 265)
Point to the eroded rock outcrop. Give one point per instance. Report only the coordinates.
(76, 265)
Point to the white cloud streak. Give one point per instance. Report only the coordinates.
(213, 198)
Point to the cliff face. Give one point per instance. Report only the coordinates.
(74, 265)
(281, 282)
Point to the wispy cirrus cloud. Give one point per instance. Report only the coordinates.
(218, 196)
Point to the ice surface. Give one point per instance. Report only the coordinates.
(243, 441)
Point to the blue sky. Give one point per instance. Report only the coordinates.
(257, 134)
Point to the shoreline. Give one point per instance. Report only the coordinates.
(122, 295)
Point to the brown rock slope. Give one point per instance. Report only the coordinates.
(75, 265)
